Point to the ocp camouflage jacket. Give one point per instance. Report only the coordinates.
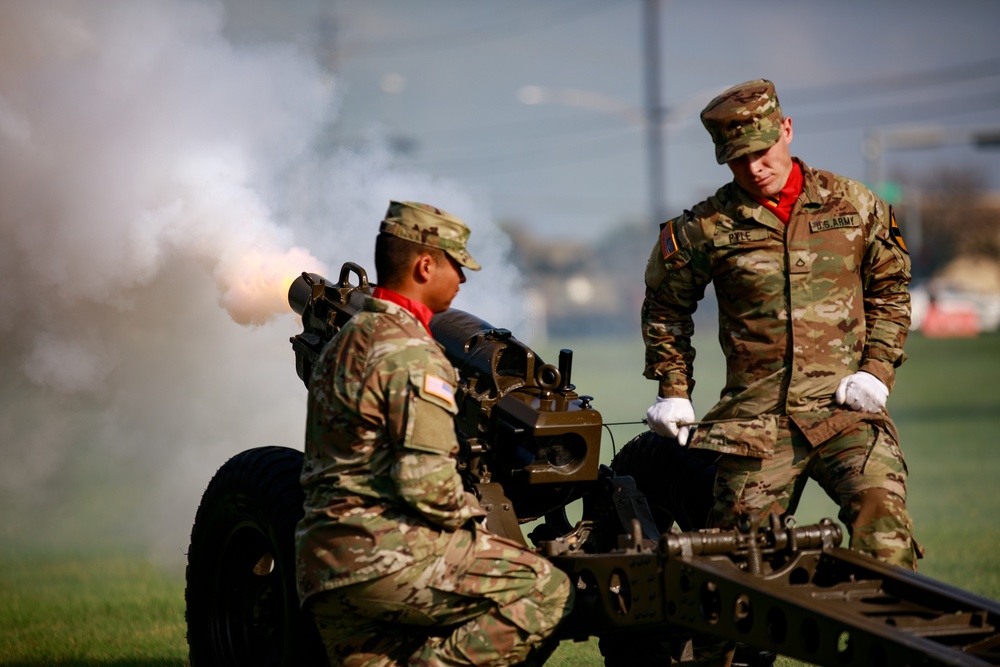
(800, 306)
(381, 486)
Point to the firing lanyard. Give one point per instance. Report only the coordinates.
(700, 422)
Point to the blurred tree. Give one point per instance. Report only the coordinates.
(957, 216)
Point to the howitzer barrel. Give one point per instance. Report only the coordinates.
(455, 329)
(492, 359)
(310, 288)
(324, 308)
(300, 292)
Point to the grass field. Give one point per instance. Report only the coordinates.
(97, 610)
(91, 605)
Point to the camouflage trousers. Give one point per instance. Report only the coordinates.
(485, 601)
(861, 469)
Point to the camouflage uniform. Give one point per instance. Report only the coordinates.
(390, 562)
(801, 306)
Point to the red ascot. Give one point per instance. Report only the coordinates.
(782, 206)
(419, 310)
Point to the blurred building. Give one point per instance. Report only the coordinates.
(954, 241)
(578, 289)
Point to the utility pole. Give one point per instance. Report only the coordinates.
(655, 111)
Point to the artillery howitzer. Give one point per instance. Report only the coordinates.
(644, 573)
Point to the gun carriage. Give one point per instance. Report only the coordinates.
(646, 571)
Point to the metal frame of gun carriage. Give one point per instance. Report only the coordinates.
(530, 445)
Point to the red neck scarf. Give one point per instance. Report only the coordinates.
(419, 310)
(782, 206)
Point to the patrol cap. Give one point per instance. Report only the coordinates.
(431, 227)
(744, 119)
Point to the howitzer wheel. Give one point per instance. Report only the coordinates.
(242, 604)
(677, 482)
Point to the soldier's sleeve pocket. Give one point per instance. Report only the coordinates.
(431, 418)
(435, 389)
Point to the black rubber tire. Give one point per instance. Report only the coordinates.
(242, 605)
(677, 481)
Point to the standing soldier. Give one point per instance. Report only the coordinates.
(392, 565)
(811, 276)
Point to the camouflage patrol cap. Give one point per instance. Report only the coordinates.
(431, 227)
(744, 119)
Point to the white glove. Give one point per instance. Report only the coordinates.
(666, 416)
(862, 391)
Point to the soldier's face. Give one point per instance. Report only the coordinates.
(764, 173)
(443, 284)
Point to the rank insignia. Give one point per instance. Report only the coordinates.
(668, 242)
(895, 234)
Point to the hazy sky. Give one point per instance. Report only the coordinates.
(444, 75)
(166, 165)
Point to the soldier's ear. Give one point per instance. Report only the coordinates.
(423, 267)
(786, 127)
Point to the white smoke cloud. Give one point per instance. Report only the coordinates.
(159, 187)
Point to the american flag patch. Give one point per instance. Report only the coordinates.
(439, 387)
(668, 242)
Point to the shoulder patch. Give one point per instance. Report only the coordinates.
(668, 241)
(895, 234)
(436, 386)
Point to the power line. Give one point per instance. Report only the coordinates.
(863, 97)
(529, 160)
(577, 145)
(859, 104)
(896, 112)
(572, 126)
(885, 84)
(819, 121)
(544, 16)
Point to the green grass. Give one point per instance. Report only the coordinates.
(70, 611)
(115, 610)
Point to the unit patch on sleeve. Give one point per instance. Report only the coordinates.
(668, 242)
(895, 234)
(439, 387)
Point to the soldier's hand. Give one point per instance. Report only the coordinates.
(862, 391)
(666, 416)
